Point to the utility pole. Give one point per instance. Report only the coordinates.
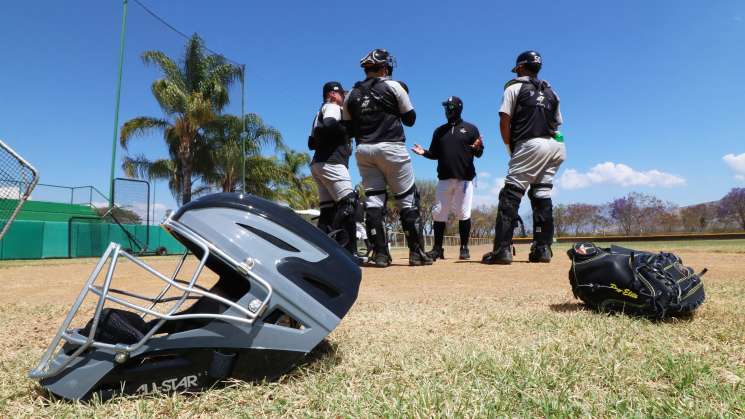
(244, 134)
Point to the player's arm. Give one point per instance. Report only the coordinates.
(405, 108)
(331, 121)
(504, 127)
(478, 143)
(432, 152)
(509, 100)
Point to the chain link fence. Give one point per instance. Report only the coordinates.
(398, 240)
(17, 179)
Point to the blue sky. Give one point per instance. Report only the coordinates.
(651, 90)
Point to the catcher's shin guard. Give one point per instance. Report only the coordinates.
(414, 231)
(377, 236)
(543, 216)
(543, 225)
(327, 217)
(413, 227)
(507, 216)
(344, 222)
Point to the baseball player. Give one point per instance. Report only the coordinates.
(529, 121)
(378, 108)
(330, 169)
(454, 146)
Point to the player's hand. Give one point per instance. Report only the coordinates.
(477, 144)
(417, 149)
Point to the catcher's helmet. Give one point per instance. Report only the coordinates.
(279, 287)
(530, 59)
(378, 57)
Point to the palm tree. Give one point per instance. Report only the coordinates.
(141, 167)
(191, 94)
(223, 139)
(299, 188)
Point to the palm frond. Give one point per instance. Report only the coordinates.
(140, 126)
(169, 68)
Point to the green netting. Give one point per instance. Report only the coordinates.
(88, 237)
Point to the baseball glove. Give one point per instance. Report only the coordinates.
(617, 279)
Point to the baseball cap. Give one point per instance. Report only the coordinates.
(453, 101)
(332, 86)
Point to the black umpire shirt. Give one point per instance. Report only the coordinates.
(451, 147)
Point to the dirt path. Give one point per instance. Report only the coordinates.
(51, 283)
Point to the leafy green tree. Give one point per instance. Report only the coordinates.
(298, 188)
(191, 94)
(223, 138)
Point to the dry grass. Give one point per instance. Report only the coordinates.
(455, 339)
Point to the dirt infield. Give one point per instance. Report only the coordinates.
(58, 282)
(456, 338)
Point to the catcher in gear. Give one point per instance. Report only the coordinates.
(529, 120)
(378, 108)
(330, 169)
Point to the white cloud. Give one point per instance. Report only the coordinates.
(737, 164)
(484, 175)
(610, 173)
(487, 192)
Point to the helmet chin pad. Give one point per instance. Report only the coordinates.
(257, 289)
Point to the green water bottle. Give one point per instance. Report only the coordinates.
(559, 137)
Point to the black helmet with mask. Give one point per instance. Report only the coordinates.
(378, 57)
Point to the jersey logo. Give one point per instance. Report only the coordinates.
(463, 130)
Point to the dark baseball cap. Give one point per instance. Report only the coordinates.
(332, 86)
(453, 101)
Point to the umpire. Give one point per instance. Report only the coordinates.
(330, 169)
(529, 121)
(378, 108)
(454, 146)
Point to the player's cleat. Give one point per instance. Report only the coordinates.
(501, 256)
(381, 260)
(436, 253)
(540, 253)
(419, 258)
(464, 253)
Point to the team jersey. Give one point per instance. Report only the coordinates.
(374, 108)
(534, 108)
(451, 147)
(330, 146)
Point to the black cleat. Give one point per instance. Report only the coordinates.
(419, 258)
(540, 253)
(501, 256)
(381, 260)
(464, 254)
(436, 253)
